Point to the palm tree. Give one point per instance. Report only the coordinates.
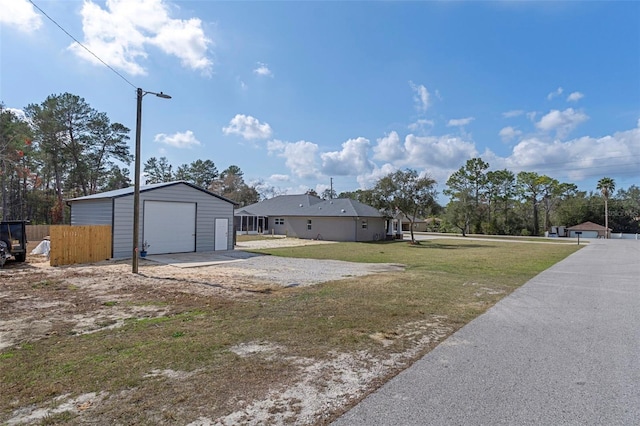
(606, 186)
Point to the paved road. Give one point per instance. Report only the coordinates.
(564, 349)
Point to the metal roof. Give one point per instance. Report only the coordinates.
(309, 205)
(143, 188)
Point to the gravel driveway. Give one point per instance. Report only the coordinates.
(292, 272)
(284, 271)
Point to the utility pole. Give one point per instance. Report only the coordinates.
(331, 193)
(136, 187)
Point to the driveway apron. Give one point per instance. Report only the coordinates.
(564, 349)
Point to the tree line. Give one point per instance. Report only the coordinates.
(63, 148)
(485, 201)
(229, 183)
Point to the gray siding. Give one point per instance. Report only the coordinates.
(122, 231)
(333, 228)
(208, 208)
(91, 212)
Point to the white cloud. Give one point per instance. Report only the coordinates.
(459, 122)
(20, 14)
(263, 70)
(279, 178)
(421, 96)
(300, 157)
(577, 158)
(514, 113)
(121, 33)
(389, 148)
(185, 39)
(437, 156)
(179, 140)
(509, 133)
(368, 180)
(555, 93)
(352, 159)
(535, 152)
(248, 127)
(428, 152)
(437, 151)
(563, 122)
(575, 96)
(419, 125)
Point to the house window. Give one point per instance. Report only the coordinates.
(279, 221)
(364, 224)
(309, 224)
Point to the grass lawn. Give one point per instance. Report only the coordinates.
(557, 240)
(446, 284)
(453, 278)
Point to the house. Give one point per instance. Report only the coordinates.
(431, 224)
(307, 216)
(589, 230)
(175, 217)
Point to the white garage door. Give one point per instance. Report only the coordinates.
(585, 234)
(169, 227)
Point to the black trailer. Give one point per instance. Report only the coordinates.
(13, 233)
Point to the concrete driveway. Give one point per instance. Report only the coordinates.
(209, 258)
(564, 349)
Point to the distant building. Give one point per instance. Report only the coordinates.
(589, 230)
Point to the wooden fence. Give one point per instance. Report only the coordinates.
(37, 233)
(79, 244)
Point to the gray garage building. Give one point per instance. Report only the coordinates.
(175, 217)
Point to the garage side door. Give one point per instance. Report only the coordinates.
(169, 227)
(222, 234)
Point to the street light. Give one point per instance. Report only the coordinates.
(136, 188)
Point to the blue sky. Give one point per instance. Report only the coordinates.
(295, 93)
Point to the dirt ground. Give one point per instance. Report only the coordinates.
(102, 299)
(98, 287)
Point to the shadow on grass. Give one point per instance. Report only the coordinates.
(182, 280)
(443, 246)
(429, 244)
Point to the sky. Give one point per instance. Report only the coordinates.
(297, 93)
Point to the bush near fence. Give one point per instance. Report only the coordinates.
(79, 244)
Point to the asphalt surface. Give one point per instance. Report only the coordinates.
(564, 349)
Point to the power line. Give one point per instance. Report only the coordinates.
(82, 45)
